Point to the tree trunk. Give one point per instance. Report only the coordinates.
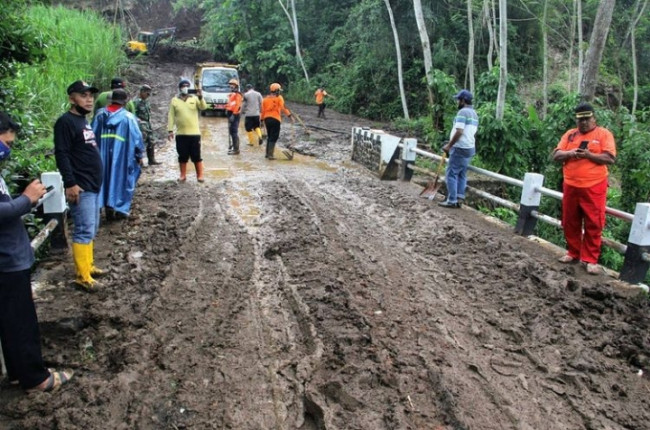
(470, 47)
(487, 20)
(503, 58)
(638, 12)
(293, 22)
(571, 44)
(399, 59)
(426, 46)
(596, 46)
(545, 60)
(581, 48)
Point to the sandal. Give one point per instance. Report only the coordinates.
(54, 381)
(567, 259)
(6, 382)
(594, 269)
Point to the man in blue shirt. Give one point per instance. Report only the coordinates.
(461, 148)
(19, 333)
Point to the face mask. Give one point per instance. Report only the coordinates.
(81, 110)
(4, 150)
(184, 90)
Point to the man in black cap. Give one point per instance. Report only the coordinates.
(585, 152)
(78, 161)
(461, 148)
(103, 99)
(122, 151)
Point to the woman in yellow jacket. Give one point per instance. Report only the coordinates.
(272, 109)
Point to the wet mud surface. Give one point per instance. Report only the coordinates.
(307, 294)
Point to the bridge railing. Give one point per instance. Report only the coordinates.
(394, 158)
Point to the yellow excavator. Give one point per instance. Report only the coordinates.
(146, 41)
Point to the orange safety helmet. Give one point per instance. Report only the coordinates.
(234, 82)
(275, 87)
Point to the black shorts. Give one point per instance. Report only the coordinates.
(251, 123)
(188, 147)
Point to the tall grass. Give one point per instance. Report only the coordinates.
(80, 45)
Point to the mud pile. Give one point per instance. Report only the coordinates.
(309, 294)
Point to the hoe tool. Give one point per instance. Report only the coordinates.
(306, 130)
(289, 151)
(430, 191)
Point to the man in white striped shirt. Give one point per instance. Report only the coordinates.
(461, 148)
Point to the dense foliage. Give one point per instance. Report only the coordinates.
(42, 54)
(348, 47)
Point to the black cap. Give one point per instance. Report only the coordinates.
(584, 110)
(119, 96)
(464, 95)
(117, 83)
(81, 87)
(146, 88)
(6, 123)
(249, 86)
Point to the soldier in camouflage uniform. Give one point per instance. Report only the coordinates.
(143, 113)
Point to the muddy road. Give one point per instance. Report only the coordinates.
(307, 294)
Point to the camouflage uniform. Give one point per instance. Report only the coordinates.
(143, 113)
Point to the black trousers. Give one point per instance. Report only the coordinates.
(251, 122)
(188, 146)
(233, 126)
(272, 129)
(19, 333)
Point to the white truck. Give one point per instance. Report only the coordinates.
(212, 78)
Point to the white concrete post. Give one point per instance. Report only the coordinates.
(635, 266)
(529, 202)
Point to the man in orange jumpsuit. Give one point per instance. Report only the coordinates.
(272, 109)
(585, 152)
(233, 111)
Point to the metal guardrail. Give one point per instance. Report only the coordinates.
(619, 247)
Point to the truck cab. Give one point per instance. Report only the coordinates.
(212, 79)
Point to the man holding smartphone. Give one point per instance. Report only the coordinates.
(585, 152)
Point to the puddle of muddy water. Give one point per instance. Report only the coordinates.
(219, 165)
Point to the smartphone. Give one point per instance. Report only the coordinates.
(584, 144)
(191, 91)
(49, 188)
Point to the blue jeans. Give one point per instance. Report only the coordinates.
(85, 217)
(456, 173)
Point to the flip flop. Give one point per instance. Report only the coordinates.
(54, 381)
(6, 382)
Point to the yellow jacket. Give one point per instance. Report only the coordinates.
(185, 115)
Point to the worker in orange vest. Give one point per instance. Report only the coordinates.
(233, 111)
(272, 110)
(320, 95)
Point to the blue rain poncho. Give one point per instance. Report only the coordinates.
(121, 147)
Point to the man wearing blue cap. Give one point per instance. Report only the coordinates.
(460, 148)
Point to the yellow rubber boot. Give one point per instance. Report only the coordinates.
(81, 255)
(259, 135)
(251, 137)
(95, 271)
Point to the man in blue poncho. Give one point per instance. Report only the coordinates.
(122, 150)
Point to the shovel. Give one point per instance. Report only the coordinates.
(430, 191)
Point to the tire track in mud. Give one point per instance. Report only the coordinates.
(355, 356)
